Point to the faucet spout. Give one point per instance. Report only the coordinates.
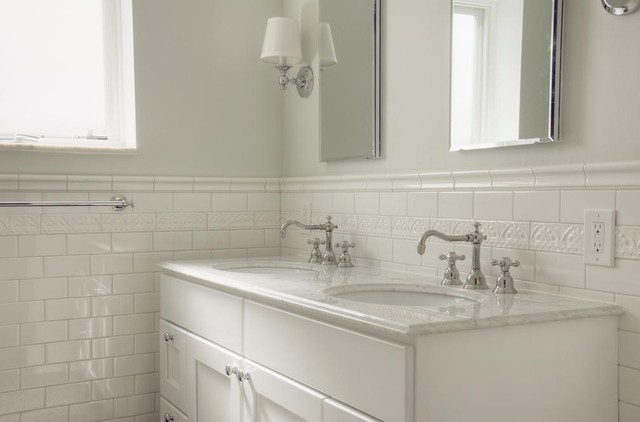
(288, 223)
(422, 244)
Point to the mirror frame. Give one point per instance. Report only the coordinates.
(553, 130)
(376, 141)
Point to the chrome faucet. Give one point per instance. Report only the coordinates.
(475, 279)
(328, 257)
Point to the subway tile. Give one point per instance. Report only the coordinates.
(147, 202)
(133, 324)
(132, 242)
(172, 241)
(71, 223)
(90, 328)
(132, 183)
(191, 202)
(379, 248)
(54, 414)
(629, 385)
(344, 203)
(264, 202)
(113, 346)
(21, 268)
(543, 206)
(211, 239)
(229, 202)
(320, 202)
(192, 255)
(404, 252)
(628, 346)
(89, 183)
(10, 380)
(9, 291)
(61, 395)
(574, 203)
(147, 302)
(132, 283)
(112, 305)
(90, 370)
(134, 365)
(42, 245)
(57, 309)
(618, 279)
(422, 204)
(455, 205)
(172, 183)
(246, 238)
(43, 332)
(629, 413)
(134, 405)
(86, 244)
(627, 207)
(146, 343)
(393, 204)
(113, 387)
(43, 288)
(21, 401)
(42, 376)
(560, 269)
(9, 335)
(112, 264)
(91, 412)
(68, 351)
(364, 203)
(18, 357)
(93, 285)
(42, 182)
(122, 223)
(148, 261)
(147, 383)
(8, 246)
(630, 321)
(21, 312)
(72, 265)
(493, 206)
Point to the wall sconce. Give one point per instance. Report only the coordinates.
(282, 47)
(327, 49)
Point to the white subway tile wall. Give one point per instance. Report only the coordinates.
(79, 299)
(533, 215)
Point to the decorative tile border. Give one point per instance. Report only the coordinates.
(627, 242)
(71, 223)
(181, 221)
(564, 238)
(19, 224)
(231, 220)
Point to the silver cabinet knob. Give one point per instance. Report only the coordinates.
(230, 369)
(243, 376)
(168, 336)
(168, 417)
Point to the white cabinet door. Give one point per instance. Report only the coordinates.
(215, 390)
(168, 412)
(173, 364)
(271, 397)
(335, 411)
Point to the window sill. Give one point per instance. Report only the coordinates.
(81, 149)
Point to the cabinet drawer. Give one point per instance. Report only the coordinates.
(168, 413)
(372, 375)
(214, 315)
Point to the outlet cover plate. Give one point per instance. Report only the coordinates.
(599, 237)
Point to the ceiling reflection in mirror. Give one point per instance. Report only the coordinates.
(348, 31)
(505, 72)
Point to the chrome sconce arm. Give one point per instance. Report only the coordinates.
(303, 80)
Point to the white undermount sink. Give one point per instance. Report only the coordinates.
(400, 295)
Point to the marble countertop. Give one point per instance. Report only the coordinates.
(309, 289)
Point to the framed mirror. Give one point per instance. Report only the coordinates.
(349, 80)
(505, 72)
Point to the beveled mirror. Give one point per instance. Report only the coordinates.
(505, 72)
(349, 80)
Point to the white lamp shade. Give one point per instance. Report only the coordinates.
(327, 49)
(282, 42)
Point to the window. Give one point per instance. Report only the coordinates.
(66, 74)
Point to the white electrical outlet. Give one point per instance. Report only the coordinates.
(599, 237)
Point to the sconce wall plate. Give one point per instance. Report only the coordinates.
(304, 81)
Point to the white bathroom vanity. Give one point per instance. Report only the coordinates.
(282, 340)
